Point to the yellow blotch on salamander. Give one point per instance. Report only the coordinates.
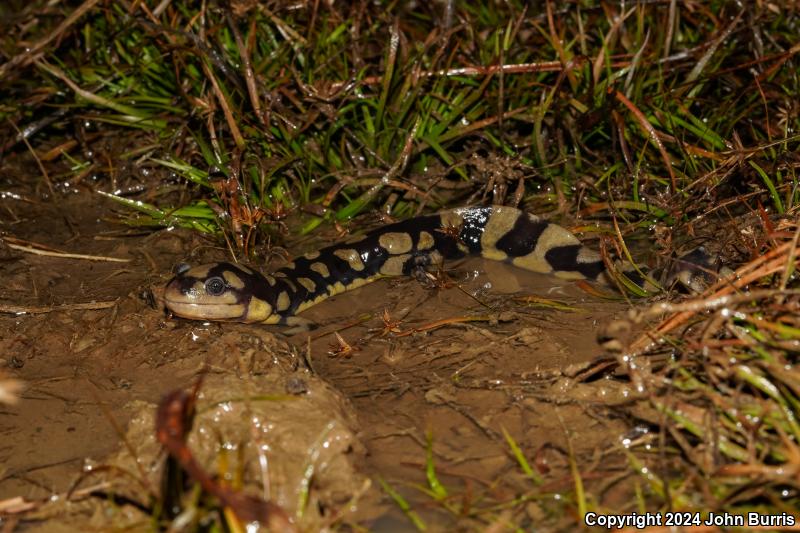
(283, 301)
(394, 265)
(352, 257)
(396, 243)
(258, 310)
(308, 284)
(200, 272)
(425, 241)
(233, 280)
(321, 269)
(452, 219)
(501, 222)
(551, 237)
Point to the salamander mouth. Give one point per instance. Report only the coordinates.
(204, 311)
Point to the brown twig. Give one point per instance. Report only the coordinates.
(37, 310)
(173, 422)
(40, 249)
(651, 133)
(443, 322)
(24, 58)
(245, 50)
(43, 170)
(473, 71)
(225, 105)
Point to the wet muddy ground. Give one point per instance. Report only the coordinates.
(357, 414)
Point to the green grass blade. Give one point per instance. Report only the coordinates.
(403, 505)
(520, 457)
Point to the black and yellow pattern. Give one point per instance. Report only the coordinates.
(224, 291)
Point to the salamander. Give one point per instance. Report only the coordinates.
(234, 292)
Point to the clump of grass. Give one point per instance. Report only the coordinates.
(730, 398)
(649, 114)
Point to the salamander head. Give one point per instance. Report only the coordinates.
(220, 291)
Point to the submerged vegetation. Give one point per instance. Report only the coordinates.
(676, 119)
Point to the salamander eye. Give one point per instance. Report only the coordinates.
(215, 286)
